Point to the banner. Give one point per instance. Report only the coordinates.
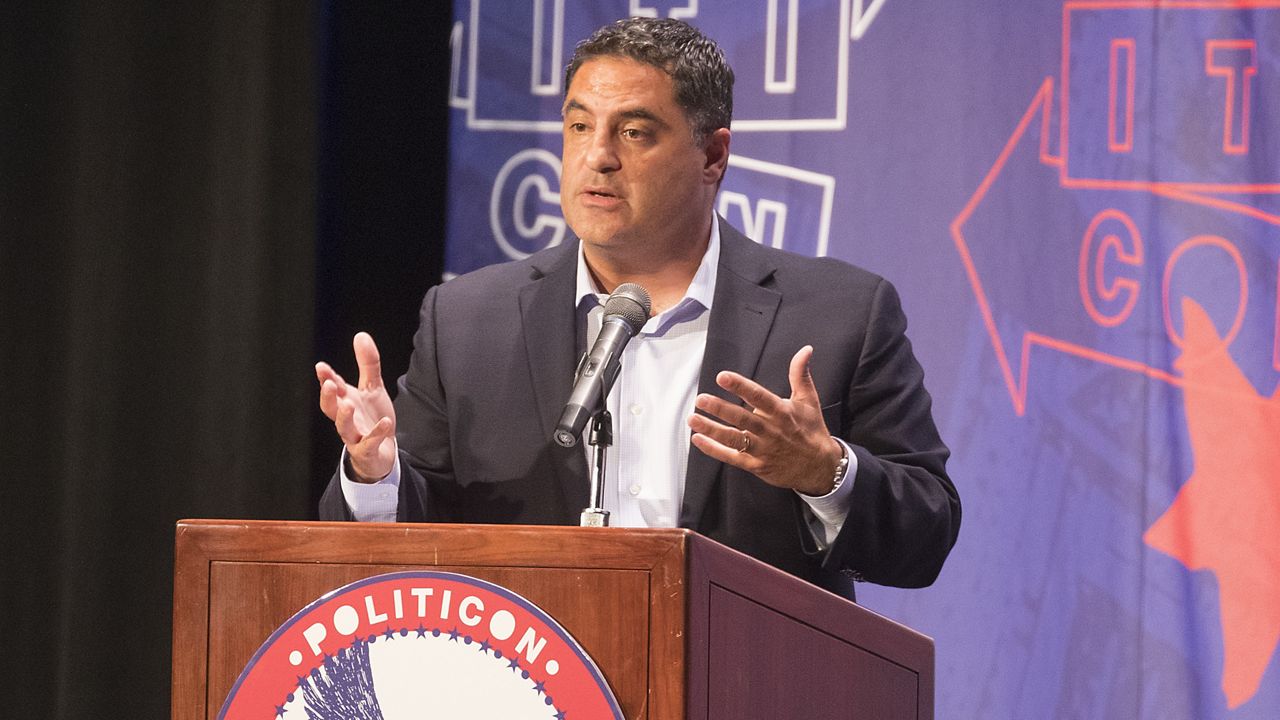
(1080, 205)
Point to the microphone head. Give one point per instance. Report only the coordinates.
(630, 302)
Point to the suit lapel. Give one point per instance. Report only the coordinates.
(742, 313)
(547, 304)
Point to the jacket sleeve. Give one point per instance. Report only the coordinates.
(905, 512)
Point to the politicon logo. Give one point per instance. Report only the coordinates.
(401, 644)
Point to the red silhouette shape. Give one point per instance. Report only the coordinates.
(1226, 517)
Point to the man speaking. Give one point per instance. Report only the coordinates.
(770, 401)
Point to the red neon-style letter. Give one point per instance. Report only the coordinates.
(1236, 61)
(1120, 108)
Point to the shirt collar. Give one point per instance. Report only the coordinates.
(700, 291)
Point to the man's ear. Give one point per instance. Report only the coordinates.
(717, 156)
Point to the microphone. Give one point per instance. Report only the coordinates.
(625, 312)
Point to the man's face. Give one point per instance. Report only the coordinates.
(634, 180)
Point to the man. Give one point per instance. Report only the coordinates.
(812, 445)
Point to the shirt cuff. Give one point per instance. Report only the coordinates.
(830, 510)
(371, 502)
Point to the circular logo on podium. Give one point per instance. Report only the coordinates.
(416, 645)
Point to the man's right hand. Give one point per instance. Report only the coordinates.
(363, 415)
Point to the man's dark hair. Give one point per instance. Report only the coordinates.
(702, 79)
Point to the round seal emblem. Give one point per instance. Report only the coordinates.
(420, 644)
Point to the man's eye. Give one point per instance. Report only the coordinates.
(633, 134)
(577, 127)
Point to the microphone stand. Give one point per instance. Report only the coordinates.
(601, 437)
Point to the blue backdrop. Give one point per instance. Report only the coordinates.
(1080, 204)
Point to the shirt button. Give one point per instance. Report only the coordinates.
(637, 409)
(635, 489)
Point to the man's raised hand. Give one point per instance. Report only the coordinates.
(782, 441)
(363, 414)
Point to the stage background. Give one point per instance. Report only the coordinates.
(1078, 205)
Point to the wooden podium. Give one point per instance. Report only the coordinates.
(680, 626)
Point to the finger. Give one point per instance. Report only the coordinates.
(716, 450)
(751, 392)
(324, 372)
(369, 361)
(380, 431)
(731, 413)
(349, 425)
(802, 388)
(344, 422)
(726, 435)
(329, 393)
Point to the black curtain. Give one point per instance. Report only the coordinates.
(160, 165)
(384, 84)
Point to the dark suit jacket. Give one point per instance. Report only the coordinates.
(493, 363)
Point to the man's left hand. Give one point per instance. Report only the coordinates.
(782, 441)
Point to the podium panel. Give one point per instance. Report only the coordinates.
(835, 677)
(679, 626)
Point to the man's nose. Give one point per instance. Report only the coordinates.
(602, 155)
